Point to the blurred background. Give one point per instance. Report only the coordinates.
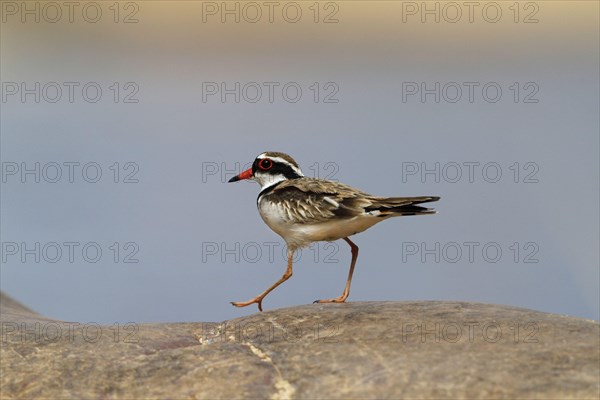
(121, 123)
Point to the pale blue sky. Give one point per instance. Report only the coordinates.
(201, 243)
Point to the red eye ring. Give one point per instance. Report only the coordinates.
(265, 164)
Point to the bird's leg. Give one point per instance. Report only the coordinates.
(258, 299)
(344, 296)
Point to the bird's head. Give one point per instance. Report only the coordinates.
(270, 168)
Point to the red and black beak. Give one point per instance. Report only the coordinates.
(247, 174)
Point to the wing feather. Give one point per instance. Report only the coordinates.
(312, 201)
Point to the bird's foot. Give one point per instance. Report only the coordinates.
(257, 300)
(341, 299)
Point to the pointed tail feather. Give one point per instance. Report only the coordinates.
(400, 206)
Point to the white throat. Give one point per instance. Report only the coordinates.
(268, 180)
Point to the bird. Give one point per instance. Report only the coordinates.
(303, 210)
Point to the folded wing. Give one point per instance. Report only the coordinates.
(312, 201)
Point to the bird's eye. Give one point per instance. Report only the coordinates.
(265, 164)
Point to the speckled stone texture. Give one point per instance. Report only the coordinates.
(416, 350)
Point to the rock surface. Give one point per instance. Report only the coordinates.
(419, 350)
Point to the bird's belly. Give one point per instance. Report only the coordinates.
(299, 235)
(337, 229)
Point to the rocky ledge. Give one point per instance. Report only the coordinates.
(417, 350)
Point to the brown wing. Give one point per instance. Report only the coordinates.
(310, 201)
